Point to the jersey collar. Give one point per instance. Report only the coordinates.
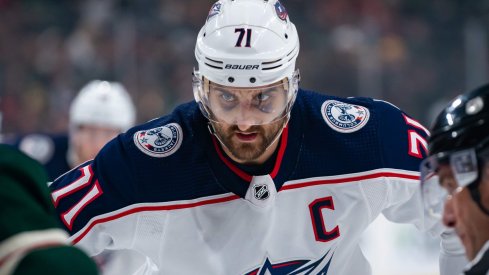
(242, 174)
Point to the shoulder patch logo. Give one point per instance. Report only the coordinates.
(160, 141)
(344, 117)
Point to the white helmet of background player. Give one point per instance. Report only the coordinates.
(99, 112)
(246, 44)
(104, 104)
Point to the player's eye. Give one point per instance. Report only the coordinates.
(227, 97)
(262, 96)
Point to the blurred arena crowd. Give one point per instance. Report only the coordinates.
(412, 53)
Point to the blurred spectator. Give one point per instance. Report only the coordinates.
(409, 52)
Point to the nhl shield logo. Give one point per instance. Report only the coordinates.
(161, 141)
(261, 191)
(344, 117)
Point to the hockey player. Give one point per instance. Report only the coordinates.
(99, 112)
(256, 176)
(31, 239)
(455, 182)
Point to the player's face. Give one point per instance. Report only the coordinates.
(247, 143)
(463, 214)
(87, 140)
(444, 174)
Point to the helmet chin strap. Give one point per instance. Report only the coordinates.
(279, 133)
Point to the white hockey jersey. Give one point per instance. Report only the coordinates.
(165, 199)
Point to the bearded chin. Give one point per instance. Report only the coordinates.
(247, 153)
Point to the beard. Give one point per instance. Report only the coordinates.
(248, 152)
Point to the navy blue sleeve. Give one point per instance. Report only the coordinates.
(95, 187)
(403, 138)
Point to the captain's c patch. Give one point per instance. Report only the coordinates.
(344, 117)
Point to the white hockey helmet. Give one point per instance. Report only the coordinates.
(103, 103)
(246, 44)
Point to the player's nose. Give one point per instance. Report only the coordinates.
(245, 118)
(449, 218)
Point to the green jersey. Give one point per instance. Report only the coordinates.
(31, 238)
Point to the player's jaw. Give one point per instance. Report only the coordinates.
(247, 144)
(469, 220)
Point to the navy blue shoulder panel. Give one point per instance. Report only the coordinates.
(403, 139)
(136, 168)
(184, 172)
(350, 135)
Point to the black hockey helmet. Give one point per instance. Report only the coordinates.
(460, 139)
(464, 123)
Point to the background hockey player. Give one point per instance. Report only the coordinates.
(256, 176)
(456, 175)
(99, 112)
